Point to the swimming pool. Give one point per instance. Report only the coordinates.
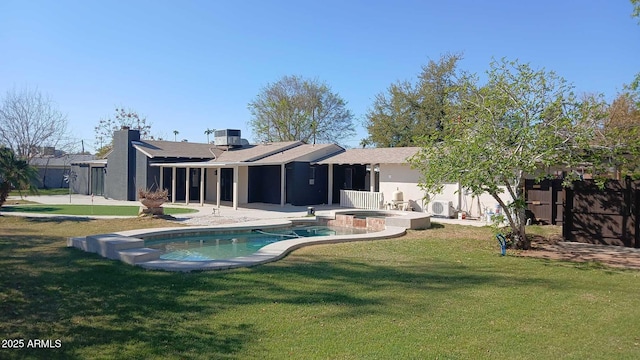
(129, 246)
(207, 247)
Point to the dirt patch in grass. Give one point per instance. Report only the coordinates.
(547, 243)
(615, 256)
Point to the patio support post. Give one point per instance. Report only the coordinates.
(186, 185)
(202, 170)
(330, 185)
(173, 183)
(161, 178)
(283, 187)
(235, 187)
(218, 172)
(372, 178)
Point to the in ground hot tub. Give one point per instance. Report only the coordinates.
(376, 220)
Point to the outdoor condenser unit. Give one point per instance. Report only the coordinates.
(442, 208)
(227, 137)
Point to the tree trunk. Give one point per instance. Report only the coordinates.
(518, 233)
(516, 217)
(4, 192)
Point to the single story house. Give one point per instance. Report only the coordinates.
(235, 172)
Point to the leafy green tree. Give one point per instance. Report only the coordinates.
(15, 174)
(294, 108)
(520, 121)
(407, 111)
(620, 134)
(122, 118)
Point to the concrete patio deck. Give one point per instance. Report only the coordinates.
(128, 246)
(204, 214)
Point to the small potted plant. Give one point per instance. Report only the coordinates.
(152, 201)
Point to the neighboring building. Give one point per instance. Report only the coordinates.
(53, 168)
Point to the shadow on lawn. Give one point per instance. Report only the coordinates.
(88, 302)
(115, 310)
(33, 209)
(57, 219)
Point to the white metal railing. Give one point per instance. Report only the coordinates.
(361, 199)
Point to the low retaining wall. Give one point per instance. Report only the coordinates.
(378, 220)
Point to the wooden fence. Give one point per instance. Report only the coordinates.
(603, 216)
(587, 213)
(545, 201)
(361, 199)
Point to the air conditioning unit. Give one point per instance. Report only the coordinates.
(228, 137)
(442, 208)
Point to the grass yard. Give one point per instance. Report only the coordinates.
(55, 191)
(438, 293)
(112, 210)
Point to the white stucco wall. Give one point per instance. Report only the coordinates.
(464, 201)
(243, 185)
(405, 179)
(210, 184)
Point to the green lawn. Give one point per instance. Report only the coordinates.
(438, 293)
(57, 191)
(88, 210)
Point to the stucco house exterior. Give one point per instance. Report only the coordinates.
(392, 173)
(235, 173)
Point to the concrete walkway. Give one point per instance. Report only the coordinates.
(204, 215)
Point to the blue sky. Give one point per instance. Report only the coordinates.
(193, 65)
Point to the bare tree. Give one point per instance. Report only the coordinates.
(30, 120)
(123, 117)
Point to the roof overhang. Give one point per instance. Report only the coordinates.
(212, 165)
(97, 162)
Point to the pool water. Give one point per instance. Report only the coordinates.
(228, 246)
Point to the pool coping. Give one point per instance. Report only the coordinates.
(128, 246)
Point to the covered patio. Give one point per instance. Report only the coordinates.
(230, 181)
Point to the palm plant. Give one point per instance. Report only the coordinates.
(175, 135)
(209, 132)
(15, 173)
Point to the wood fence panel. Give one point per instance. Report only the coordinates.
(603, 216)
(545, 201)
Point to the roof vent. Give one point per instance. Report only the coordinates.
(228, 137)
